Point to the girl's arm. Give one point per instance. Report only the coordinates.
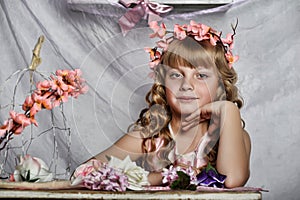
(234, 147)
(234, 142)
(129, 144)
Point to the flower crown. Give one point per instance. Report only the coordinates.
(198, 31)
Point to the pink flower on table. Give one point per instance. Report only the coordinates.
(106, 178)
(179, 32)
(85, 169)
(7, 126)
(159, 31)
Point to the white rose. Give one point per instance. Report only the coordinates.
(137, 176)
(32, 169)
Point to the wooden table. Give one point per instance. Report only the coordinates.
(88, 194)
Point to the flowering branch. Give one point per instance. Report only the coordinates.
(48, 95)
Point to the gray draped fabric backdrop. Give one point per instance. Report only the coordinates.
(88, 37)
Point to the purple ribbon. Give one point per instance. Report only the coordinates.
(141, 9)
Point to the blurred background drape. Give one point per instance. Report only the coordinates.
(87, 36)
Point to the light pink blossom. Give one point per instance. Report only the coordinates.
(159, 31)
(179, 32)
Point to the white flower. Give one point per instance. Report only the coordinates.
(32, 169)
(137, 176)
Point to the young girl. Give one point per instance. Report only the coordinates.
(193, 115)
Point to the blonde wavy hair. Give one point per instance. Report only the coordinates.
(153, 120)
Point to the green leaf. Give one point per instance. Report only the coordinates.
(22, 177)
(192, 187)
(28, 176)
(210, 167)
(183, 182)
(33, 180)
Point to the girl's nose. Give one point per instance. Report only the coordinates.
(186, 85)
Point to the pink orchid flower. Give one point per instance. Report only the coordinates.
(159, 31)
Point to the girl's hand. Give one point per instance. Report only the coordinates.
(213, 111)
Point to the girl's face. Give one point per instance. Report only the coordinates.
(190, 88)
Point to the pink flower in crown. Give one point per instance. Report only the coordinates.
(231, 59)
(213, 39)
(7, 126)
(163, 44)
(159, 31)
(228, 40)
(155, 57)
(179, 32)
(200, 31)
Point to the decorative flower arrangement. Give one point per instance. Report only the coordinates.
(196, 30)
(106, 178)
(137, 176)
(47, 95)
(210, 177)
(31, 169)
(181, 178)
(116, 175)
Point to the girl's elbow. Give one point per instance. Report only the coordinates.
(236, 180)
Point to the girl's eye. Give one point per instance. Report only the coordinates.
(201, 76)
(175, 75)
